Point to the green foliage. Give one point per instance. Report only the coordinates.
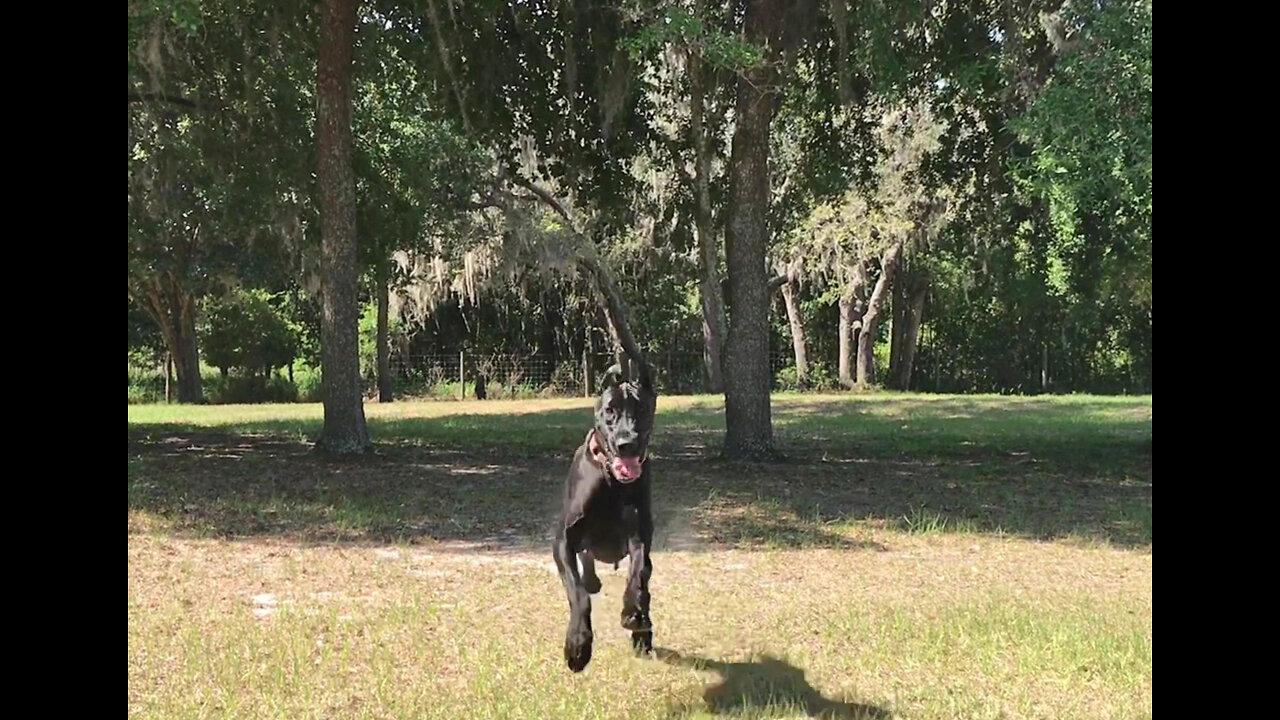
(880, 356)
(1090, 130)
(146, 385)
(699, 35)
(146, 344)
(303, 316)
(822, 377)
(245, 329)
(1043, 153)
(412, 162)
(306, 378)
(242, 389)
(184, 15)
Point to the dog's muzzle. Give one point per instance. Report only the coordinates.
(623, 469)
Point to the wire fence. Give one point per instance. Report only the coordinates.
(466, 375)
(448, 376)
(541, 374)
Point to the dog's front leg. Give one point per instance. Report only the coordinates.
(635, 602)
(578, 637)
(590, 580)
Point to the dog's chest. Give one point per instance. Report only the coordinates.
(610, 519)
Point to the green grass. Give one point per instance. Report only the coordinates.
(912, 557)
(1062, 428)
(1059, 467)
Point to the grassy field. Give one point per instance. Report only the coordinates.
(911, 557)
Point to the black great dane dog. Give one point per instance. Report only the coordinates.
(606, 513)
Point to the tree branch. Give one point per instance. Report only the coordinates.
(549, 199)
(677, 160)
(448, 67)
(888, 266)
(790, 275)
(161, 97)
(1055, 30)
(615, 307)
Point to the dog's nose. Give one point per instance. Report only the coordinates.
(627, 449)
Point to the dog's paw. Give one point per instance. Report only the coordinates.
(577, 649)
(591, 584)
(636, 621)
(642, 642)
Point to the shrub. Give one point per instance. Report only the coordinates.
(821, 378)
(244, 330)
(248, 388)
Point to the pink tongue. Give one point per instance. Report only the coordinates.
(626, 467)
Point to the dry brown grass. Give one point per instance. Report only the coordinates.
(264, 583)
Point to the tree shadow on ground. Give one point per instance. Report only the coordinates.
(493, 481)
(216, 484)
(211, 484)
(763, 687)
(1062, 433)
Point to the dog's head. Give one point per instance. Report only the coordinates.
(624, 419)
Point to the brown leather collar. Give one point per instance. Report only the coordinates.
(598, 455)
(595, 451)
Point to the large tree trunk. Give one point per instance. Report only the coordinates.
(186, 354)
(384, 346)
(851, 305)
(713, 320)
(875, 304)
(748, 422)
(344, 425)
(845, 365)
(908, 312)
(173, 309)
(797, 333)
(897, 322)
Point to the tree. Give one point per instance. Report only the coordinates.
(1090, 163)
(213, 178)
(865, 233)
(709, 291)
(244, 330)
(1023, 296)
(788, 280)
(556, 104)
(344, 429)
(409, 160)
(700, 54)
(631, 138)
(909, 295)
(773, 26)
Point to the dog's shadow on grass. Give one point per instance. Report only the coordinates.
(761, 687)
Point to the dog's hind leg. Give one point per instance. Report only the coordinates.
(590, 580)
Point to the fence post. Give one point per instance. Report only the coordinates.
(462, 374)
(1044, 368)
(586, 364)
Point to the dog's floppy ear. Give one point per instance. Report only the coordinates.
(613, 376)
